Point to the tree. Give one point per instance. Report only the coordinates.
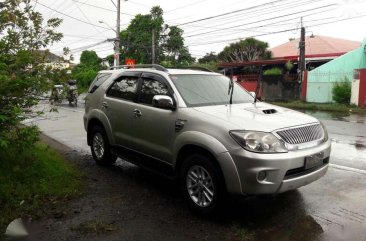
(88, 68)
(208, 58)
(136, 40)
(175, 52)
(24, 77)
(90, 58)
(249, 49)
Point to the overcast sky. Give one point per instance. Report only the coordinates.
(260, 18)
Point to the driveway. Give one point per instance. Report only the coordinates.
(124, 202)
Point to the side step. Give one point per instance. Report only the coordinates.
(149, 163)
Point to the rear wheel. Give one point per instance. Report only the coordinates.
(202, 184)
(100, 147)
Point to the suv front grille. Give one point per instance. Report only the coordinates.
(302, 134)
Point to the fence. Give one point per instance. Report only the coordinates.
(320, 85)
(274, 87)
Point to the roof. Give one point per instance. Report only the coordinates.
(153, 70)
(315, 47)
(49, 56)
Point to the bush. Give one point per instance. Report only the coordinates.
(273, 71)
(84, 76)
(342, 92)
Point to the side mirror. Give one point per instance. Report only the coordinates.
(163, 102)
(253, 94)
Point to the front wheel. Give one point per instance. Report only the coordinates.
(202, 184)
(100, 148)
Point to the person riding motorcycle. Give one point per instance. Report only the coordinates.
(72, 92)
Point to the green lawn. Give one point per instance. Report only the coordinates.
(321, 107)
(32, 182)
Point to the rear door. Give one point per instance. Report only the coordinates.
(153, 128)
(119, 103)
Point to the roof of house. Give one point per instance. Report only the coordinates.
(315, 47)
(49, 56)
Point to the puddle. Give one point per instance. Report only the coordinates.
(340, 116)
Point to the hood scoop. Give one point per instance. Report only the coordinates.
(269, 111)
(261, 110)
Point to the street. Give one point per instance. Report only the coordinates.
(142, 206)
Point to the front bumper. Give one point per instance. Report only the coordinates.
(284, 171)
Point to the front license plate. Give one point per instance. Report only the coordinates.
(314, 160)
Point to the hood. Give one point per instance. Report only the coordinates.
(260, 116)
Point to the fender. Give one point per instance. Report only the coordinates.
(101, 116)
(218, 150)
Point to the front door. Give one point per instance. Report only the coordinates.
(154, 128)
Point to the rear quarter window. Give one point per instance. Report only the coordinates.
(98, 81)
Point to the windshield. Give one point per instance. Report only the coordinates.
(202, 90)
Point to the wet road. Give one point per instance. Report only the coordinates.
(332, 208)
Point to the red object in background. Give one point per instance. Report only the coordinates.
(362, 90)
(250, 86)
(130, 62)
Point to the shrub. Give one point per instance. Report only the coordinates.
(273, 71)
(342, 92)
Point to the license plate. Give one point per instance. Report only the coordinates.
(314, 160)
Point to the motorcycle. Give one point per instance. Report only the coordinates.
(72, 93)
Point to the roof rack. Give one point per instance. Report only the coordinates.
(153, 66)
(195, 68)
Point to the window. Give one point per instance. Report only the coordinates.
(150, 88)
(203, 90)
(98, 81)
(125, 88)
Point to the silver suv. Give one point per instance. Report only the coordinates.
(206, 131)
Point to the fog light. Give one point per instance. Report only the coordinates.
(262, 175)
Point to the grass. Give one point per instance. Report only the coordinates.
(33, 181)
(321, 107)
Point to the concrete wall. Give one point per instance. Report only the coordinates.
(321, 80)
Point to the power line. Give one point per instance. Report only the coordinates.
(66, 15)
(228, 13)
(113, 3)
(281, 16)
(270, 10)
(188, 5)
(276, 32)
(102, 8)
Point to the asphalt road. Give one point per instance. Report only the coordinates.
(142, 206)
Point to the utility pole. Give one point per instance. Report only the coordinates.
(153, 47)
(301, 66)
(118, 40)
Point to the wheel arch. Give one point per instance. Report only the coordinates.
(101, 120)
(208, 145)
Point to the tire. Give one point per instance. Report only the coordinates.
(100, 147)
(198, 195)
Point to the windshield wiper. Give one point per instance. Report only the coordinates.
(231, 90)
(231, 86)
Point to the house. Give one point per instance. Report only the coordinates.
(53, 60)
(319, 50)
(346, 67)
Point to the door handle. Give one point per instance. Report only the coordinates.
(105, 105)
(137, 113)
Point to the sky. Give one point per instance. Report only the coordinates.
(272, 21)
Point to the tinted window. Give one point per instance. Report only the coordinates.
(150, 88)
(98, 81)
(125, 88)
(201, 90)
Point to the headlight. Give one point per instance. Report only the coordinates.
(325, 139)
(259, 141)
